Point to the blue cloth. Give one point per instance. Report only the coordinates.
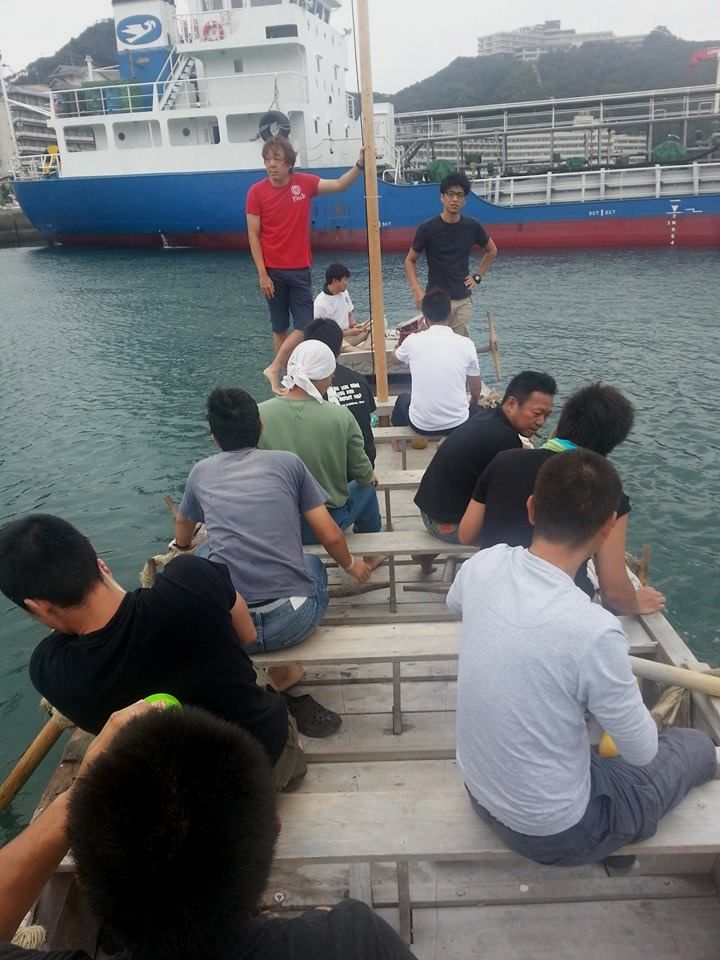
(293, 295)
(432, 526)
(361, 509)
(286, 624)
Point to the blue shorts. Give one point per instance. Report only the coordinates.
(293, 295)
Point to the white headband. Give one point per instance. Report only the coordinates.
(310, 360)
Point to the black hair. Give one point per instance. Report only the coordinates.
(234, 418)
(575, 494)
(280, 145)
(173, 830)
(327, 332)
(455, 179)
(528, 382)
(436, 305)
(45, 558)
(596, 417)
(336, 271)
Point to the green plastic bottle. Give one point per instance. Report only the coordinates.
(171, 702)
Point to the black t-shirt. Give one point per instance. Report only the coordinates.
(350, 931)
(447, 248)
(504, 488)
(353, 391)
(176, 637)
(448, 483)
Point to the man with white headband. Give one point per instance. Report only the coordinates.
(327, 439)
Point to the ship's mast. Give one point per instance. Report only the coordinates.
(377, 304)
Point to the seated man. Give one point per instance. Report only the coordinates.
(348, 388)
(327, 439)
(536, 655)
(596, 418)
(334, 303)
(172, 824)
(444, 368)
(450, 478)
(109, 648)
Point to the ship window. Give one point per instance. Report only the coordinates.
(264, 3)
(317, 130)
(137, 134)
(329, 129)
(212, 5)
(281, 30)
(238, 65)
(79, 139)
(195, 131)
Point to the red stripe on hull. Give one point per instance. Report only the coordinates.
(687, 230)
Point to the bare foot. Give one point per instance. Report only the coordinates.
(286, 677)
(374, 562)
(397, 445)
(272, 375)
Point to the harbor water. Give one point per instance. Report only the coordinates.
(106, 358)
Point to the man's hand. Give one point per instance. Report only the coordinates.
(418, 295)
(266, 286)
(375, 481)
(108, 733)
(359, 571)
(649, 600)
(470, 283)
(361, 158)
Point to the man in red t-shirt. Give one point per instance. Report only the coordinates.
(278, 219)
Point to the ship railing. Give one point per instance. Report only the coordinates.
(190, 93)
(605, 184)
(35, 166)
(208, 27)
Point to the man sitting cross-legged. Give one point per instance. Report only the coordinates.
(172, 824)
(536, 656)
(327, 439)
(109, 647)
(444, 368)
(596, 417)
(252, 503)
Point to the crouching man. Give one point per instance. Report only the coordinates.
(536, 655)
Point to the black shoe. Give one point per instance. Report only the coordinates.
(312, 718)
(620, 864)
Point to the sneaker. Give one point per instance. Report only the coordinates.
(312, 718)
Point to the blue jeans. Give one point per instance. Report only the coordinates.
(285, 625)
(361, 509)
(449, 535)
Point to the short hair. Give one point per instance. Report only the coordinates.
(455, 179)
(234, 418)
(528, 382)
(280, 145)
(45, 558)
(327, 332)
(436, 306)
(597, 417)
(336, 271)
(575, 494)
(173, 830)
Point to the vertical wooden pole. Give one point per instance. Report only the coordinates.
(377, 303)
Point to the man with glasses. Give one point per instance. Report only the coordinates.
(447, 241)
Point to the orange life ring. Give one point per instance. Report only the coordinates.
(215, 28)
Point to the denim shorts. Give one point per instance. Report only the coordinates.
(433, 527)
(293, 295)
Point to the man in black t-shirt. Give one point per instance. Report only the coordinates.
(446, 241)
(110, 647)
(596, 418)
(448, 482)
(348, 388)
(172, 822)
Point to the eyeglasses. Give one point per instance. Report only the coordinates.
(454, 195)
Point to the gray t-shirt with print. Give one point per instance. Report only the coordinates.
(251, 502)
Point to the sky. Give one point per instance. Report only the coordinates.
(406, 47)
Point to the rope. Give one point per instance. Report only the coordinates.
(148, 574)
(30, 938)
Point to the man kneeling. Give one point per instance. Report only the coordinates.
(537, 655)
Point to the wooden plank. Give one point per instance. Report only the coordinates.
(387, 434)
(400, 480)
(397, 542)
(360, 885)
(441, 825)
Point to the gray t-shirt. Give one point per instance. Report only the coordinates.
(535, 655)
(251, 501)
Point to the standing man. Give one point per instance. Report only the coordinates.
(447, 241)
(278, 219)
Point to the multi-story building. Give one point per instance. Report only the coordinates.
(529, 43)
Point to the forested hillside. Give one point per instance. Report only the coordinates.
(97, 40)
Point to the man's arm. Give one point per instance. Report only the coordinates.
(471, 523)
(242, 622)
(485, 264)
(616, 588)
(359, 467)
(266, 284)
(333, 539)
(474, 385)
(184, 530)
(411, 273)
(343, 182)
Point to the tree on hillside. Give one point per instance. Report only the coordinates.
(98, 41)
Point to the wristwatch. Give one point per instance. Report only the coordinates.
(477, 278)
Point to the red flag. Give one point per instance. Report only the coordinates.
(709, 53)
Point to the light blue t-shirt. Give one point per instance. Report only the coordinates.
(251, 502)
(536, 654)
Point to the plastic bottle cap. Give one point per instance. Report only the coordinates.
(167, 698)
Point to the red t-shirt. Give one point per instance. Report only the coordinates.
(284, 220)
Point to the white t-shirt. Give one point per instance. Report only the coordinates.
(334, 306)
(439, 361)
(535, 655)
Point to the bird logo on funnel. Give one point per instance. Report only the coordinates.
(139, 30)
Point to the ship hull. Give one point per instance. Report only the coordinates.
(206, 211)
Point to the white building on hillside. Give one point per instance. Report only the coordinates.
(529, 43)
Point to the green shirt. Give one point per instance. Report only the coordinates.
(325, 436)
